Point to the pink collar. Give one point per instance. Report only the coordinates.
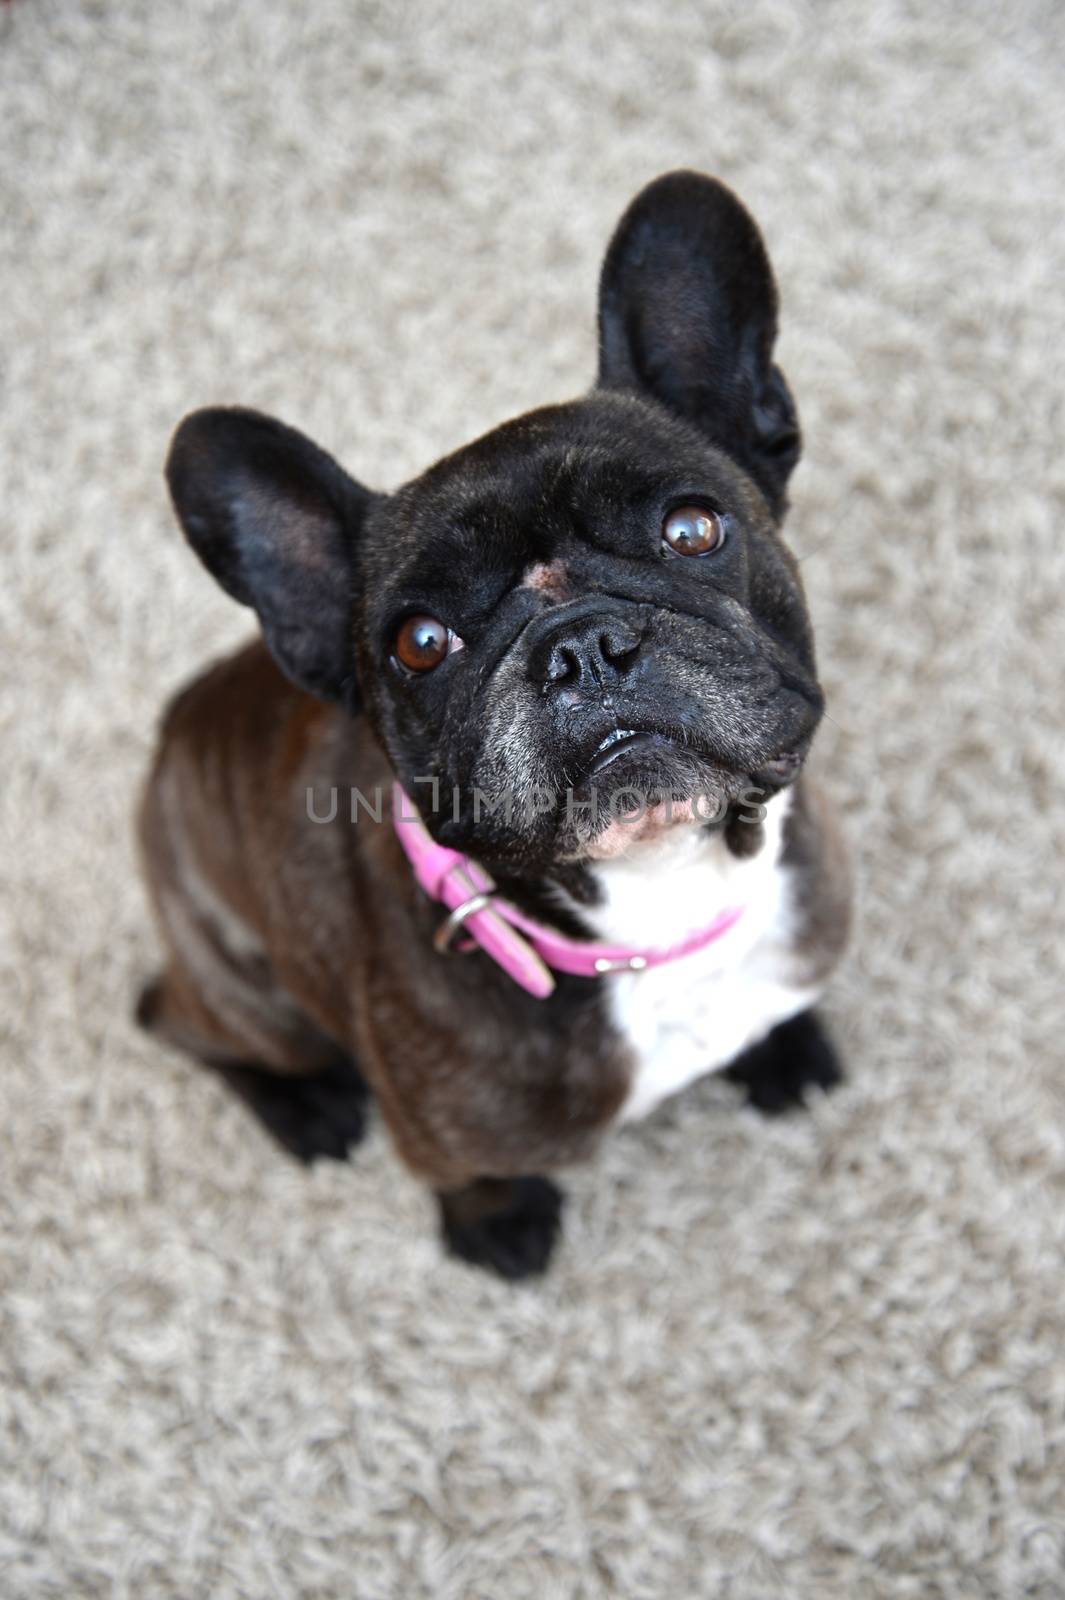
(524, 948)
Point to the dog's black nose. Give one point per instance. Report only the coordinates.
(585, 652)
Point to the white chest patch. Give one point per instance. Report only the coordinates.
(695, 1015)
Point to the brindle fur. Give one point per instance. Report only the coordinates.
(287, 939)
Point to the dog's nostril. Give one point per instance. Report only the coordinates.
(618, 647)
(564, 665)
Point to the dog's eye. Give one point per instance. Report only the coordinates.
(422, 643)
(693, 531)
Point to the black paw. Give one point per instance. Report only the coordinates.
(147, 1007)
(776, 1074)
(323, 1114)
(508, 1225)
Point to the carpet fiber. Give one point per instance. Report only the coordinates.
(821, 1359)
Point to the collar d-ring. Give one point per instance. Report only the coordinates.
(444, 937)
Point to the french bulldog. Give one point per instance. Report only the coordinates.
(503, 822)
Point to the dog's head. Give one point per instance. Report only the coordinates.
(587, 611)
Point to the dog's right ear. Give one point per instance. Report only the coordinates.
(274, 519)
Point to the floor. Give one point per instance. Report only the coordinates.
(819, 1359)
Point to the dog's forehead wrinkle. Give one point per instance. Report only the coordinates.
(541, 450)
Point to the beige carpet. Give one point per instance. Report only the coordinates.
(821, 1360)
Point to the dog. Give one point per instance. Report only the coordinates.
(503, 822)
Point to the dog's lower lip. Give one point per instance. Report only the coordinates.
(619, 743)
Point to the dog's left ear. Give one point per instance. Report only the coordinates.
(275, 521)
(688, 314)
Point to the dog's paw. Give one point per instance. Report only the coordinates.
(796, 1056)
(146, 1010)
(507, 1225)
(323, 1114)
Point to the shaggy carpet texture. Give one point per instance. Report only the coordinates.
(819, 1359)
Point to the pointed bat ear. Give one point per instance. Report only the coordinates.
(688, 314)
(275, 520)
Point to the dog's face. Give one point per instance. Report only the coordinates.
(587, 611)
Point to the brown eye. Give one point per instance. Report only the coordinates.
(422, 643)
(693, 531)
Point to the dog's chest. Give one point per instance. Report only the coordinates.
(696, 1014)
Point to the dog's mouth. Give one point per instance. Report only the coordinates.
(646, 747)
(626, 742)
(669, 759)
(637, 782)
